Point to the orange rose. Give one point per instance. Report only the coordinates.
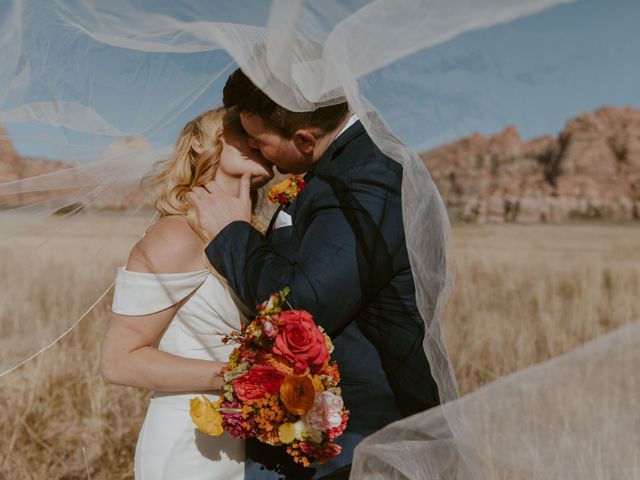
(297, 394)
(279, 363)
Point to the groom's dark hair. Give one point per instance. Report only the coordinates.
(241, 93)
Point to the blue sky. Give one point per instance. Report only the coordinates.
(534, 73)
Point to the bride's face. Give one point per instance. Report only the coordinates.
(237, 158)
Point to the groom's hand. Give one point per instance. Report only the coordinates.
(216, 209)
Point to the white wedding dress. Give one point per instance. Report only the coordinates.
(169, 446)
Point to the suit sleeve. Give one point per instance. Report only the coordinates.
(343, 258)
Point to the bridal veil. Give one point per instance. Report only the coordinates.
(105, 86)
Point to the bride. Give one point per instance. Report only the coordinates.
(170, 311)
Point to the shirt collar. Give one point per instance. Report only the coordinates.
(353, 129)
(353, 119)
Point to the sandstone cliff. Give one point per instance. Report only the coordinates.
(591, 170)
(14, 167)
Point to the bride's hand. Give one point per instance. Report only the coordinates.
(217, 209)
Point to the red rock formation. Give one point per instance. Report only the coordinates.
(14, 167)
(592, 170)
(10, 162)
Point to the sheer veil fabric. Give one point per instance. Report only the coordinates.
(106, 86)
(574, 416)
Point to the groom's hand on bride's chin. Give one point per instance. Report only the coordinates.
(216, 209)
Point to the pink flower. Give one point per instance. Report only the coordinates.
(326, 411)
(234, 423)
(335, 432)
(269, 329)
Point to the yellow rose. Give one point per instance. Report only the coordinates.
(328, 343)
(317, 383)
(206, 416)
(286, 433)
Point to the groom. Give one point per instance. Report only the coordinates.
(340, 246)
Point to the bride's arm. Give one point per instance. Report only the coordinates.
(128, 355)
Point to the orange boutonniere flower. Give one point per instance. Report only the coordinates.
(287, 190)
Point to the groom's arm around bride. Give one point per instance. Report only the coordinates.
(344, 257)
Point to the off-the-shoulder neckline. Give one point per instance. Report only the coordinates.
(196, 272)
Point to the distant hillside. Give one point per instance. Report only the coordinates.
(591, 170)
(14, 167)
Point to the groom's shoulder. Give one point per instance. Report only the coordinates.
(361, 158)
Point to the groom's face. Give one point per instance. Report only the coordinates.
(286, 154)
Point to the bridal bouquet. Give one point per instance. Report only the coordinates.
(281, 386)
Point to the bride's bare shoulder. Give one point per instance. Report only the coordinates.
(169, 246)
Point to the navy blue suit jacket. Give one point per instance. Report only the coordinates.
(345, 259)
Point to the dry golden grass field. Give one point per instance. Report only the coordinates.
(522, 295)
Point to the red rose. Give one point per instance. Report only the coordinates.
(300, 341)
(260, 381)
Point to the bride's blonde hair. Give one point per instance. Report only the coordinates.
(185, 169)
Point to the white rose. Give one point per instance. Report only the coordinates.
(303, 431)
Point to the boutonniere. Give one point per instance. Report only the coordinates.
(287, 190)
